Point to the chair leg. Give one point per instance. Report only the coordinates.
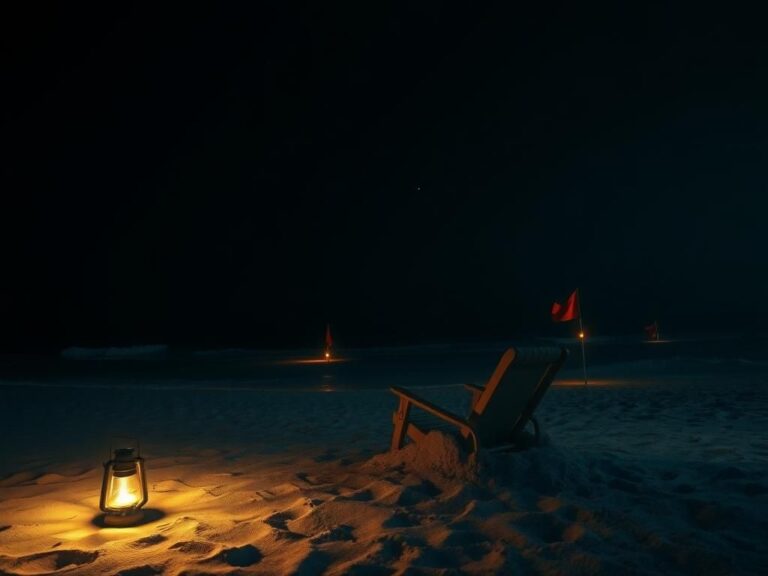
(400, 421)
(414, 432)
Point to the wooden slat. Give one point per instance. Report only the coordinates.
(400, 421)
(429, 407)
(427, 421)
(477, 391)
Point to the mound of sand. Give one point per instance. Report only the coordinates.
(438, 456)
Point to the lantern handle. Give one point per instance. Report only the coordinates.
(132, 439)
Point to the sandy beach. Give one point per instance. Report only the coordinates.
(655, 468)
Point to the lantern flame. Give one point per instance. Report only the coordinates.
(125, 492)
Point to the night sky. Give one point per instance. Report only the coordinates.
(233, 176)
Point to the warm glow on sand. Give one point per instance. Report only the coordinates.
(303, 361)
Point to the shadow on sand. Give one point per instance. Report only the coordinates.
(149, 515)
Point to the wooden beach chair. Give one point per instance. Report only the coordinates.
(499, 411)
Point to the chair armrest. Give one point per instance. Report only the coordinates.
(474, 388)
(429, 407)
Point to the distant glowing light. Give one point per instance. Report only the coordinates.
(581, 335)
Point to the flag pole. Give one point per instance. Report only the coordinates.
(582, 338)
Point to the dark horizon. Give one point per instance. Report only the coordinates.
(215, 177)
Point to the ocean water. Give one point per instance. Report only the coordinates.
(412, 366)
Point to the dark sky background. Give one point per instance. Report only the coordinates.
(229, 176)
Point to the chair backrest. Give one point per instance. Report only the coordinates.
(513, 392)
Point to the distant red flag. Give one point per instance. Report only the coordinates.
(568, 310)
(328, 339)
(652, 331)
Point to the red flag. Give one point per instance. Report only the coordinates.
(568, 310)
(328, 339)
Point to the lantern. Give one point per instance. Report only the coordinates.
(124, 488)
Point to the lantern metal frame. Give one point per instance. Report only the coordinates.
(123, 463)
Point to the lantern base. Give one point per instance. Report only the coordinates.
(123, 520)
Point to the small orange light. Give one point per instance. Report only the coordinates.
(581, 335)
(327, 355)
